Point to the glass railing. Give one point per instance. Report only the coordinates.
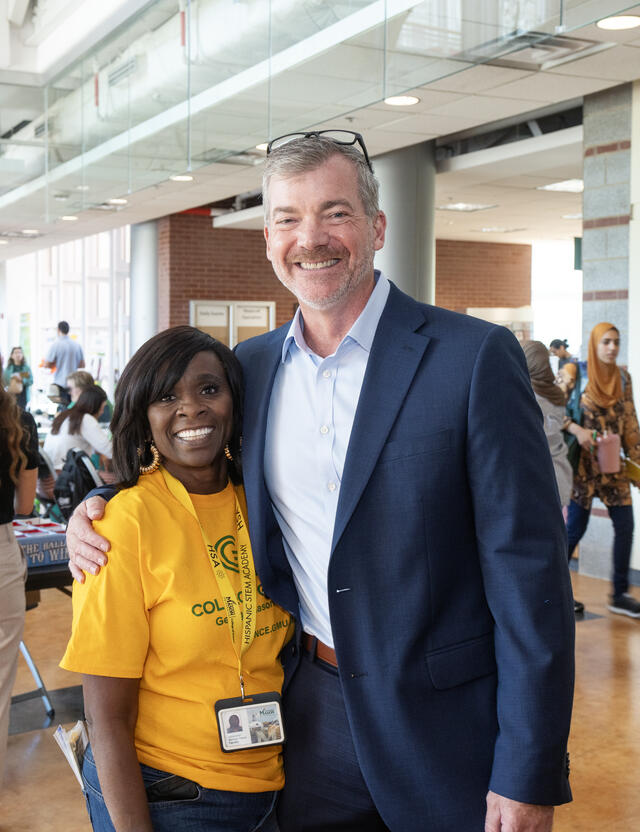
(186, 85)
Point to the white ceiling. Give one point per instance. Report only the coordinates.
(456, 104)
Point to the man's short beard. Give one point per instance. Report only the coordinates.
(342, 291)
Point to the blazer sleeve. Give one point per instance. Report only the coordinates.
(523, 555)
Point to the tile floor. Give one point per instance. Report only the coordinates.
(42, 795)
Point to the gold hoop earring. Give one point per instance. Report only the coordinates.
(227, 453)
(155, 464)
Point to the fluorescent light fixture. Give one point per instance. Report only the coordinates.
(401, 100)
(82, 187)
(69, 218)
(463, 206)
(572, 216)
(571, 186)
(496, 229)
(181, 177)
(4, 242)
(117, 201)
(262, 146)
(30, 231)
(621, 21)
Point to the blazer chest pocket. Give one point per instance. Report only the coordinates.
(462, 662)
(428, 443)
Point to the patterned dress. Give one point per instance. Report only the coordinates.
(620, 418)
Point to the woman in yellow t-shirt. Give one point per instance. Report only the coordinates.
(176, 642)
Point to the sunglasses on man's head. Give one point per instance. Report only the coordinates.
(346, 137)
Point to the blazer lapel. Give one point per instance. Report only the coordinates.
(396, 353)
(259, 370)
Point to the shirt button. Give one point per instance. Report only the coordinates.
(326, 373)
(331, 486)
(324, 429)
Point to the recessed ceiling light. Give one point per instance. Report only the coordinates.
(621, 21)
(181, 177)
(82, 187)
(69, 218)
(262, 146)
(572, 216)
(402, 100)
(496, 229)
(30, 231)
(463, 206)
(4, 242)
(572, 186)
(117, 201)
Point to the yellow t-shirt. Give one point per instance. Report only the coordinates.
(155, 613)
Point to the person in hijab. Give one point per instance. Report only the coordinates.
(607, 408)
(551, 400)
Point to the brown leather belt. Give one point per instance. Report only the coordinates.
(317, 648)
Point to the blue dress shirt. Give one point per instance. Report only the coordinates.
(311, 412)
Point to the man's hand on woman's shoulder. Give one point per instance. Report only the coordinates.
(85, 546)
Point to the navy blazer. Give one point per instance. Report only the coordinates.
(455, 641)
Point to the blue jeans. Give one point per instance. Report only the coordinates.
(198, 810)
(622, 519)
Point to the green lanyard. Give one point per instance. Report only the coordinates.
(240, 613)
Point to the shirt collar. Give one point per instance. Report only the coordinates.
(363, 329)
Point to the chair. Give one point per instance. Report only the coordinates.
(91, 469)
(47, 503)
(40, 691)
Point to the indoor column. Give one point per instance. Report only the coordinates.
(144, 283)
(407, 191)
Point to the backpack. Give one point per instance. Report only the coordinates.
(76, 479)
(575, 414)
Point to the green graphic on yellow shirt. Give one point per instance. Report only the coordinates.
(227, 553)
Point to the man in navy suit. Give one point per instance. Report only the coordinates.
(402, 504)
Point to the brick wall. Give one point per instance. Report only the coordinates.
(471, 274)
(198, 262)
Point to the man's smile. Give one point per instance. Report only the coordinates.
(322, 264)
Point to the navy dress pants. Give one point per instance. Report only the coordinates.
(622, 519)
(324, 788)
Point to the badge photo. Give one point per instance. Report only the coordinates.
(252, 722)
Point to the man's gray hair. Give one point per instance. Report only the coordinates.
(302, 155)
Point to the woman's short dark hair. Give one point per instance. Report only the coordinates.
(89, 401)
(557, 344)
(154, 369)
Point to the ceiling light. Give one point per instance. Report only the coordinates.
(402, 100)
(572, 216)
(496, 229)
(82, 187)
(262, 146)
(181, 177)
(117, 201)
(622, 21)
(61, 196)
(69, 218)
(4, 242)
(30, 231)
(571, 186)
(463, 206)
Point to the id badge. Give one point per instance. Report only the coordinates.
(250, 722)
